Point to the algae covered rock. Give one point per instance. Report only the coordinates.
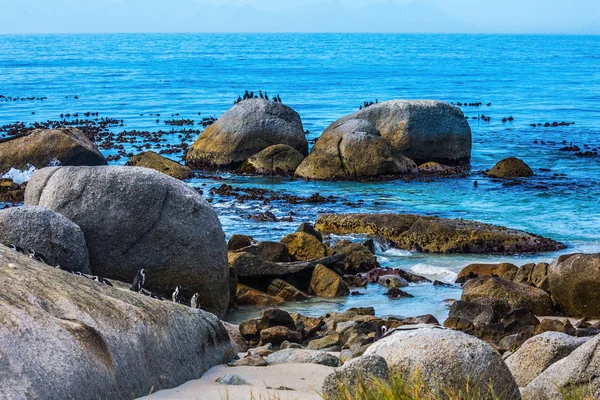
(43, 147)
(279, 159)
(503, 270)
(150, 159)
(304, 246)
(135, 218)
(243, 131)
(510, 167)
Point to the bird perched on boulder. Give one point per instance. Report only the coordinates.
(37, 256)
(177, 295)
(138, 281)
(17, 248)
(101, 280)
(195, 302)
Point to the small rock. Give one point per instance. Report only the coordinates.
(232, 379)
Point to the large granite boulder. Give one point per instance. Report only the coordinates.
(244, 130)
(436, 235)
(43, 147)
(353, 149)
(279, 159)
(150, 159)
(510, 167)
(136, 218)
(574, 282)
(48, 233)
(517, 295)
(576, 376)
(447, 360)
(538, 353)
(349, 378)
(422, 130)
(67, 337)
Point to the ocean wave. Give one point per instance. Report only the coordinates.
(431, 271)
(19, 176)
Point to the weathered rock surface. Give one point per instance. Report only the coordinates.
(392, 281)
(73, 338)
(422, 130)
(284, 290)
(152, 160)
(246, 295)
(239, 343)
(302, 356)
(42, 147)
(436, 169)
(249, 265)
(516, 294)
(361, 369)
(503, 270)
(51, 234)
(358, 257)
(510, 167)
(268, 251)
(136, 218)
(574, 282)
(243, 131)
(534, 275)
(326, 283)
(578, 374)
(353, 149)
(447, 359)
(11, 192)
(304, 246)
(538, 353)
(436, 235)
(237, 241)
(279, 159)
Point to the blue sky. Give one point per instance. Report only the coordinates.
(403, 16)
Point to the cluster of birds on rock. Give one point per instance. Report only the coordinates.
(136, 286)
(368, 104)
(251, 95)
(36, 255)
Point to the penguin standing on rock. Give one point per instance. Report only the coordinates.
(195, 302)
(37, 256)
(138, 281)
(177, 295)
(17, 248)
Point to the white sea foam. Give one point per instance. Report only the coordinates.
(431, 271)
(19, 176)
(391, 252)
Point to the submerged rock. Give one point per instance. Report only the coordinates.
(516, 294)
(437, 235)
(243, 131)
(150, 159)
(510, 167)
(353, 149)
(422, 130)
(58, 240)
(447, 360)
(69, 328)
(574, 282)
(279, 159)
(135, 218)
(43, 147)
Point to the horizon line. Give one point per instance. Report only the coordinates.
(301, 33)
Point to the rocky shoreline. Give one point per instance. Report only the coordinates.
(99, 264)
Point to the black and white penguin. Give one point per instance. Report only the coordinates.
(138, 281)
(37, 256)
(17, 248)
(176, 296)
(102, 280)
(195, 302)
(379, 333)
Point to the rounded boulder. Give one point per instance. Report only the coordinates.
(243, 131)
(510, 167)
(135, 218)
(279, 159)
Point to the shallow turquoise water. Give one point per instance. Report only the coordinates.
(532, 78)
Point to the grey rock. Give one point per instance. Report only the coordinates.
(59, 240)
(244, 130)
(232, 379)
(253, 360)
(538, 353)
(239, 343)
(363, 368)
(446, 359)
(43, 147)
(68, 337)
(422, 130)
(136, 218)
(578, 372)
(302, 356)
(392, 281)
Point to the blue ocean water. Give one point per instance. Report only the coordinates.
(534, 79)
